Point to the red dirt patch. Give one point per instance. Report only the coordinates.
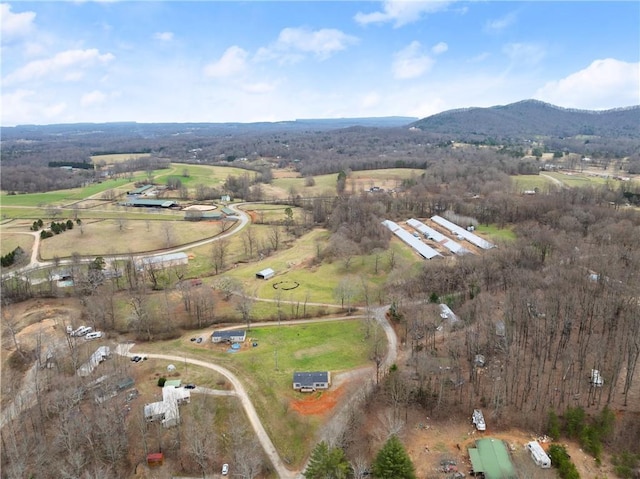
(318, 403)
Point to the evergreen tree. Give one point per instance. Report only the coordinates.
(327, 463)
(393, 462)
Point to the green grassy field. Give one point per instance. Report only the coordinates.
(576, 179)
(496, 234)
(357, 181)
(531, 182)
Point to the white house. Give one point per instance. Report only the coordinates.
(538, 454)
(309, 382)
(168, 410)
(229, 336)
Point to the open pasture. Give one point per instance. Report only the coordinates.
(113, 158)
(123, 236)
(357, 181)
(10, 241)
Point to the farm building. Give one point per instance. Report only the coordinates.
(538, 454)
(267, 273)
(140, 191)
(228, 211)
(462, 233)
(164, 260)
(422, 249)
(196, 215)
(229, 336)
(491, 459)
(149, 203)
(168, 410)
(102, 353)
(309, 382)
(438, 237)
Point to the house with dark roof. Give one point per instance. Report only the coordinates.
(309, 382)
(229, 336)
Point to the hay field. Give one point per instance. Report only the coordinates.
(118, 157)
(101, 237)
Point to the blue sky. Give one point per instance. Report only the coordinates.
(213, 61)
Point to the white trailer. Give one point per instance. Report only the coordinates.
(539, 455)
(478, 420)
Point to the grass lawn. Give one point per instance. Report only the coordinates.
(496, 234)
(531, 182)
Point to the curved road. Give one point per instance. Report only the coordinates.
(36, 264)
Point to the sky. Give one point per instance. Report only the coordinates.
(250, 61)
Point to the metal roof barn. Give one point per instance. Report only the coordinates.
(491, 458)
(423, 250)
(460, 231)
(436, 236)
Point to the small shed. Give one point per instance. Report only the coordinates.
(155, 459)
(309, 382)
(265, 274)
(229, 336)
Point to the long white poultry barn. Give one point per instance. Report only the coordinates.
(460, 231)
(423, 250)
(436, 236)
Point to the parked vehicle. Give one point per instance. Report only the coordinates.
(81, 331)
(189, 386)
(94, 335)
(225, 469)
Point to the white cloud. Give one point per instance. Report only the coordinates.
(294, 43)
(411, 62)
(163, 36)
(15, 25)
(604, 84)
(524, 53)
(370, 100)
(95, 97)
(439, 48)
(480, 58)
(69, 63)
(499, 24)
(232, 62)
(401, 12)
(258, 88)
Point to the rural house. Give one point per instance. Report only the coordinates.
(229, 336)
(168, 410)
(309, 382)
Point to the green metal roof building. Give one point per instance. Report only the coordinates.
(491, 458)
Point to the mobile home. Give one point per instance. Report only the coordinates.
(538, 454)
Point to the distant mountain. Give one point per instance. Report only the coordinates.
(531, 118)
(152, 130)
